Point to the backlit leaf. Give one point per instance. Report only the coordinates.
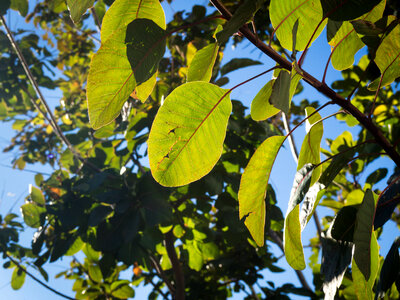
(188, 132)
(310, 148)
(285, 13)
(31, 213)
(344, 10)
(201, 66)
(122, 12)
(78, 7)
(253, 187)
(143, 91)
(388, 59)
(280, 92)
(17, 278)
(362, 233)
(261, 108)
(292, 230)
(36, 195)
(344, 40)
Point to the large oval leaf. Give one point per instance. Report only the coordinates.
(111, 79)
(344, 39)
(253, 187)
(188, 132)
(285, 13)
(122, 12)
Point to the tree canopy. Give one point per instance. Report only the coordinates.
(157, 170)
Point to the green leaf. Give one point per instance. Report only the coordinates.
(388, 59)
(310, 202)
(238, 63)
(195, 257)
(253, 187)
(121, 289)
(280, 92)
(78, 7)
(285, 13)
(242, 15)
(292, 229)
(95, 273)
(310, 148)
(344, 40)
(36, 195)
(20, 5)
(387, 203)
(261, 108)
(336, 257)
(75, 247)
(344, 10)
(342, 227)
(362, 233)
(143, 91)
(363, 287)
(390, 269)
(201, 66)
(111, 79)
(31, 214)
(123, 12)
(336, 165)
(188, 132)
(145, 42)
(17, 278)
(4, 6)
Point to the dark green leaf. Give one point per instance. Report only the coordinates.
(145, 42)
(280, 92)
(342, 227)
(4, 5)
(344, 10)
(98, 214)
(387, 203)
(78, 7)
(390, 269)
(238, 63)
(20, 5)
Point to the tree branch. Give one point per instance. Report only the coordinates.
(176, 266)
(36, 279)
(161, 273)
(319, 86)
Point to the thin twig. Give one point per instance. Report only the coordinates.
(161, 273)
(176, 266)
(36, 279)
(96, 18)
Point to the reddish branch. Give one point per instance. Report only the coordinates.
(321, 87)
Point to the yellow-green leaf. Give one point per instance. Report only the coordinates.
(253, 187)
(388, 59)
(284, 14)
(200, 68)
(344, 40)
(143, 91)
(188, 132)
(310, 148)
(17, 278)
(261, 109)
(36, 195)
(122, 12)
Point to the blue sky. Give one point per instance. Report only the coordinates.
(14, 183)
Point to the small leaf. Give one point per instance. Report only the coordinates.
(253, 187)
(188, 132)
(242, 15)
(17, 278)
(362, 233)
(78, 7)
(32, 214)
(344, 10)
(388, 59)
(145, 42)
(143, 91)
(336, 257)
(280, 92)
(363, 287)
(200, 69)
(261, 108)
(390, 269)
(238, 63)
(285, 13)
(36, 195)
(292, 230)
(95, 273)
